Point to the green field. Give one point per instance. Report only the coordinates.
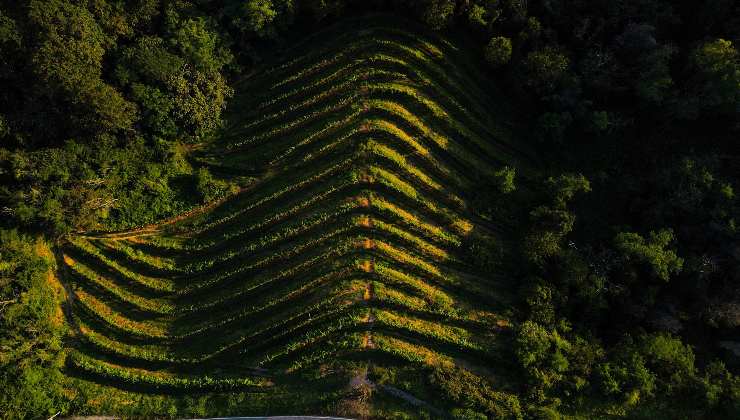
(341, 258)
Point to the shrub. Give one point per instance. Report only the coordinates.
(461, 387)
(209, 187)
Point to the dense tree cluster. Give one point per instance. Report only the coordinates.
(31, 329)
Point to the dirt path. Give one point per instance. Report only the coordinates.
(411, 400)
(154, 228)
(157, 227)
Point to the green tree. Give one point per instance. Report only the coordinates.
(551, 223)
(31, 331)
(543, 356)
(717, 66)
(565, 187)
(68, 58)
(498, 51)
(199, 44)
(181, 89)
(653, 253)
(258, 17)
(650, 365)
(545, 68)
(436, 13)
(262, 18)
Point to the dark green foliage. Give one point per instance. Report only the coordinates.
(504, 179)
(68, 58)
(31, 331)
(543, 355)
(462, 388)
(436, 13)
(262, 18)
(551, 223)
(717, 66)
(656, 364)
(661, 262)
(208, 187)
(545, 68)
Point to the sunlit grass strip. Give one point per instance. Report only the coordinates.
(157, 306)
(151, 353)
(422, 76)
(444, 333)
(444, 276)
(262, 305)
(396, 42)
(265, 261)
(353, 82)
(385, 206)
(387, 56)
(401, 162)
(441, 141)
(346, 101)
(155, 263)
(164, 354)
(351, 319)
(152, 283)
(395, 131)
(237, 338)
(387, 178)
(339, 303)
(435, 66)
(159, 379)
(431, 294)
(378, 38)
(202, 244)
(117, 321)
(421, 245)
(386, 294)
(292, 228)
(410, 352)
(325, 130)
(294, 186)
(413, 95)
(408, 259)
(301, 91)
(327, 351)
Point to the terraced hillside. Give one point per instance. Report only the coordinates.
(348, 249)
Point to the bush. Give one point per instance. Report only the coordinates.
(461, 387)
(504, 179)
(209, 187)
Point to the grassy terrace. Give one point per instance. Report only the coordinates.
(347, 248)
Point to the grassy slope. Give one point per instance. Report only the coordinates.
(345, 253)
